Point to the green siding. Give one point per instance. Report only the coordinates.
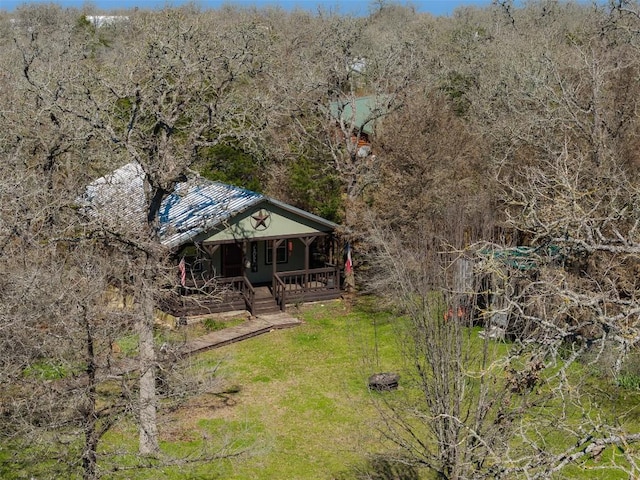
(367, 111)
(295, 261)
(281, 223)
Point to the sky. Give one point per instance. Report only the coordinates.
(358, 7)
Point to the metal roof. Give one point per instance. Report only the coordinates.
(196, 205)
(360, 112)
(522, 257)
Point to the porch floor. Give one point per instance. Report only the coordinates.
(263, 292)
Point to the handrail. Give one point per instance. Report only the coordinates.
(249, 285)
(251, 296)
(298, 283)
(316, 279)
(279, 292)
(312, 270)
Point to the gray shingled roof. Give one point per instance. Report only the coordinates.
(197, 205)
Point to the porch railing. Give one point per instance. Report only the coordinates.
(249, 293)
(298, 283)
(279, 289)
(243, 285)
(223, 287)
(287, 287)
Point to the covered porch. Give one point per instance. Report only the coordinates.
(233, 249)
(259, 275)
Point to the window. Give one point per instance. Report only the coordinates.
(282, 253)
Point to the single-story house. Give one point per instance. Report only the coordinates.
(233, 248)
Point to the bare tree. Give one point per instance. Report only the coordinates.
(485, 409)
(155, 96)
(570, 185)
(176, 97)
(544, 94)
(559, 128)
(333, 83)
(461, 420)
(57, 320)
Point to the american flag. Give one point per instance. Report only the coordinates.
(348, 264)
(183, 272)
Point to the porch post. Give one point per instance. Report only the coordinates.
(307, 243)
(306, 263)
(274, 265)
(274, 248)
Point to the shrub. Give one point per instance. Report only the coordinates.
(212, 325)
(628, 381)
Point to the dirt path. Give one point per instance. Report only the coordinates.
(251, 328)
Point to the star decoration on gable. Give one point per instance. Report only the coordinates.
(261, 220)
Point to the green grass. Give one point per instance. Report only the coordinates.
(302, 407)
(299, 406)
(628, 381)
(214, 324)
(128, 345)
(316, 408)
(46, 370)
(294, 404)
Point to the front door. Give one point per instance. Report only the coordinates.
(232, 260)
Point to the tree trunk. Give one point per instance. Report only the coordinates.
(349, 274)
(148, 426)
(89, 457)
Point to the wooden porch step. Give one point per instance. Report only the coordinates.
(263, 292)
(265, 305)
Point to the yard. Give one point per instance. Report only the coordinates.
(294, 404)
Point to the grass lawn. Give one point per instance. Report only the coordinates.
(294, 404)
(297, 404)
(299, 408)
